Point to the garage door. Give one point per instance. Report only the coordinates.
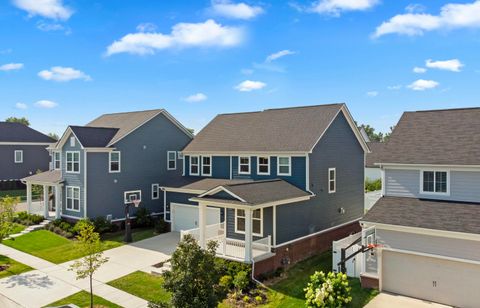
(439, 280)
(185, 217)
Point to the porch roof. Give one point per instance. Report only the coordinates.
(198, 186)
(47, 177)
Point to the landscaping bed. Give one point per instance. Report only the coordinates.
(144, 285)
(82, 299)
(10, 267)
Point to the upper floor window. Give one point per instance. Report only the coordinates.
(155, 191)
(435, 182)
(73, 162)
(257, 226)
(244, 165)
(57, 160)
(284, 166)
(72, 141)
(206, 165)
(263, 165)
(172, 160)
(114, 162)
(18, 156)
(194, 165)
(73, 198)
(332, 180)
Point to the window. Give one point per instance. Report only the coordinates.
(180, 155)
(172, 160)
(332, 180)
(244, 165)
(206, 165)
(18, 156)
(155, 191)
(73, 162)
(73, 198)
(284, 165)
(194, 168)
(257, 228)
(263, 165)
(114, 162)
(435, 182)
(57, 160)
(72, 141)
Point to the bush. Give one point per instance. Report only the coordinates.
(327, 291)
(231, 268)
(26, 219)
(81, 224)
(258, 299)
(143, 218)
(373, 185)
(161, 226)
(226, 282)
(241, 281)
(103, 225)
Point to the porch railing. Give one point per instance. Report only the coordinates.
(210, 231)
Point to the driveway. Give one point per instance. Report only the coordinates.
(388, 300)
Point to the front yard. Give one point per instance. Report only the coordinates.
(143, 285)
(82, 299)
(9, 267)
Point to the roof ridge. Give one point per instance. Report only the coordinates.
(101, 127)
(305, 106)
(446, 109)
(254, 182)
(137, 111)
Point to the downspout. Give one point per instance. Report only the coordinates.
(253, 275)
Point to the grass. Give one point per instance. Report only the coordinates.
(137, 235)
(82, 299)
(143, 285)
(14, 267)
(289, 292)
(50, 246)
(17, 228)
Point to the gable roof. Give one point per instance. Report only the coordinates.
(16, 132)
(437, 137)
(295, 129)
(373, 157)
(94, 137)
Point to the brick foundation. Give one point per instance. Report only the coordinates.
(290, 254)
(369, 282)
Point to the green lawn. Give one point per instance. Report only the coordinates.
(14, 267)
(50, 246)
(137, 235)
(143, 285)
(82, 299)
(289, 291)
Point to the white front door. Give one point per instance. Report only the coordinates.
(185, 217)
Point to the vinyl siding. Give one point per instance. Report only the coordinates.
(35, 157)
(267, 225)
(73, 179)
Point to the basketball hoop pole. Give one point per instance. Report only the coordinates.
(128, 228)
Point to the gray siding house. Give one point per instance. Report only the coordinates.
(99, 168)
(428, 221)
(22, 151)
(271, 187)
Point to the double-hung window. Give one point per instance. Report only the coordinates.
(73, 161)
(57, 160)
(73, 198)
(263, 165)
(18, 156)
(332, 180)
(257, 228)
(207, 165)
(194, 165)
(244, 165)
(172, 160)
(114, 162)
(435, 182)
(284, 165)
(155, 191)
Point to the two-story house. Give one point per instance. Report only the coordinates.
(271, 187)
(22, 152)
(99, 168)
(428, 221)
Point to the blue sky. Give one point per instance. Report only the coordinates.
(67, 62)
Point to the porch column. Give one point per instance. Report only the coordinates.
(29, 197)
(248, 235)
(45, 201)
(58, 201)
(202, 221)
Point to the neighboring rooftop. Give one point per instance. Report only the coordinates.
(94, 137)
(294, 129)
(374, 156)
(428, 214)
(16, 132)
(438, 137)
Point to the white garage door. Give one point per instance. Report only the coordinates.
(185, 217)
(439, 280)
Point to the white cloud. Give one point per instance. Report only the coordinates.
(422, 84)
(46, 104)
(54, 9)
(146, 27)
(46, 27)
(336, 7)
(208, 33)
(195, 98)
(247, 71)
(395, 87)
(21, 106)
(452, 16)
(278, 55)
(415, 8)
(419, 70)
(59, 73)
(453, 65)
(11, 67)
(240, 10)
(249, 85)
(372, 93)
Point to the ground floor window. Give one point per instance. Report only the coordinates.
(73, 198)
(257, 217)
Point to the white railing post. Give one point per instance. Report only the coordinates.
(202, 211)
(58, 201)
(45, 201)
(269, 243)
(29, 198)
(248, 235)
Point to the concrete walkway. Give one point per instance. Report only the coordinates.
(388, 300)
(50, 282)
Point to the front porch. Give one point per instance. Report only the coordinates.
(49, 207)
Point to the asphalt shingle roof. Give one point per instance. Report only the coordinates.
(94, 137)
(52, 177)
(16, 132)
(373, 157)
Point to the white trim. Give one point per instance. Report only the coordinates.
(330, 191)
(434, 193)
(155, 189)
(210, 165)
(218, 189)
(169, 160)
(431, 255)
(70, 216)
(182, 190)
(15, 157)
(219, 203)
(190, 165)
(125, 201)
(289, 173)
(85, 185)
(249, 164)
(244, 217)
(99, 150)
(473, 168)
(258, 165)
(165, 207)
(73, 198)
(246, 153)
(119, 162)
(183, 165)
(72, 162)
(384, 183)
(274, 225)
(61, 142)
(25, 143)
(231, 168)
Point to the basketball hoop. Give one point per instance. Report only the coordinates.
(371, 246)
(136, 202)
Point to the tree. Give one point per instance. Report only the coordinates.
(90, 246)
(372, 135)
(191, 130)
(194, 278)
(22, 120)
(7, 210)
(387, 135)
(53, 136)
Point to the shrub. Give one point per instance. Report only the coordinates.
(161, 226)
(227, 267)
(373, 185)
(103, 225)
(258, 299)
(241, 281)
(26, 219)
(226, 282)
(246, 298)
(327, 291)
(81, 224)
(143, 218)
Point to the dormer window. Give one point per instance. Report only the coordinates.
(434, 182)
(263, 165)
